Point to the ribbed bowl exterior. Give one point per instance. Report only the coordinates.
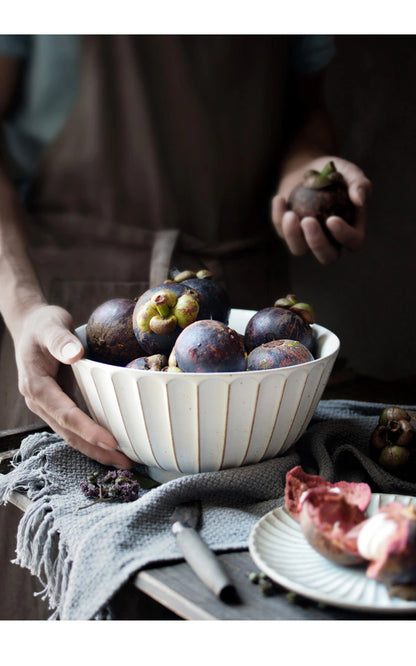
(188, 423)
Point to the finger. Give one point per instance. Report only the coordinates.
(360, 189)
(97, 451)
(350, 237)
(359, 186)
(62, 344)
(48, 395)
(57, 338)
(293, 234)
(279, 208)
(325, 252)
(45, 398)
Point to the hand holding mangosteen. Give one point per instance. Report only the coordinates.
(322, 194)
(321, 207)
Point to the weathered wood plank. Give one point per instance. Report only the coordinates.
(175, 586)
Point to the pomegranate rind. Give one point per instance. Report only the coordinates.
(298, 483)
(327, 520)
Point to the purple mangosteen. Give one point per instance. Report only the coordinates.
(110, 335)
(156, 363)
(177, 287)
(214, 303)
(209, 346)
(278, 354)
(287, 319)
(158, 321)
(321, 195)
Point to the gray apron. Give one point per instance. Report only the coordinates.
(170, 158)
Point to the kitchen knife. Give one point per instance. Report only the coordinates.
(186, 520)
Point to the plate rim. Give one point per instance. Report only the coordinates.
(401, 605)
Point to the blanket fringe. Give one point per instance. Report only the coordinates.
(39, 547)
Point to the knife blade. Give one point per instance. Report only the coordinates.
(186, 520)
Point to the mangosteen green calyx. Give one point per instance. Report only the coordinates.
(156, 363)
(110, 335)
(158, 322)
(278, 354)
(209, 346)
(322, 194)
(177, 287)
(287, 319)
(214, 300)
(393, 442)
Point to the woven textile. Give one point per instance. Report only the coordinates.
(82, 557)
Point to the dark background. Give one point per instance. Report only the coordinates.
(368, 298)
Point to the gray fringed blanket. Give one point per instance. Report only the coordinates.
(83, 557)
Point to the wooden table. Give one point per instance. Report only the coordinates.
(173, 592)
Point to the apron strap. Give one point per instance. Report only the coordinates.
(160, 262)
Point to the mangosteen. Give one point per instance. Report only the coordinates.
(177, 287)
(209, 346)
(158, 321)
(287, 319)
(278, 354)
(110, 335)
(393, 442)
(322, 194)
(156, 362)
(215, 303)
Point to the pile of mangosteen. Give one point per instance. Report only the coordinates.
(181, 325)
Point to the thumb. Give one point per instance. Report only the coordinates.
(63, 345)
(360, 190)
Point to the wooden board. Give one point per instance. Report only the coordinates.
(179, 594)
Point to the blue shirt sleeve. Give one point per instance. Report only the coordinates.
(310, 53)
(16, 46)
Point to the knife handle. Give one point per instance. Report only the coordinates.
(203, 561)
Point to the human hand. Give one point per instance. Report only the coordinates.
(307, 234)
(43, 342)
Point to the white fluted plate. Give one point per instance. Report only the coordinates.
(279, 548)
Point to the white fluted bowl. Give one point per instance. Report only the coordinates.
(185, 423)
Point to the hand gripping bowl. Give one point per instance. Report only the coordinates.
(186, 423)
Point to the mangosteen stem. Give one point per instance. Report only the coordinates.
(328, 169)
(162, 307)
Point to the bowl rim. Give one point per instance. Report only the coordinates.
(320, 330)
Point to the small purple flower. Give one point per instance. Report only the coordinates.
(110, 476)
(118, 485)
(89, 489)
